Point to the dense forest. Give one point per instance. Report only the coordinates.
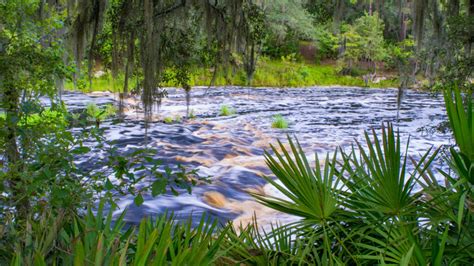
(369, 202)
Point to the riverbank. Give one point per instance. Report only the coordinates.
(269, 73)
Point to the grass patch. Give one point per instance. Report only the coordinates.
(226, 110)
(97, 114)
(277, 73)
(192, 115)
(269, 73)
(279, 122)
(171, 120)
(168, 120)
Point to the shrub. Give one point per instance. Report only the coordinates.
(279, 122)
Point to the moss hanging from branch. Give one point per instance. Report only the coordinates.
(419, 8)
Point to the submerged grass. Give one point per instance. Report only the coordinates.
(226, 110)
(279, 122)
(168, 120)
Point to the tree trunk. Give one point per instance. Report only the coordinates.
(401, 21)
(338, 13)
(250, 64)
(14, 163)
(187, 90)
(129, 64)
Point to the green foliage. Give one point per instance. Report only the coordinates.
(191, 115)
(97, 114)
(285, 29)
(312, 193)
(279, 122)
(171, 120)
(269, 73)
(363, 40)
(370, 29)
(168, 120)
(226, 111)
(98, 239)
(461, 118)
(327, 42)
(379, 178)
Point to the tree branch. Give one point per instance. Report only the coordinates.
(180, 4)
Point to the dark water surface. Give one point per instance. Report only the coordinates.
(230, 149)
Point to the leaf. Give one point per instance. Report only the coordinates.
(462, 201)
(108, 185)
(79, 254)
(405, 260)
(81, 150)
(439, 255)
(138, 200)
(176, 193)
(158, 187)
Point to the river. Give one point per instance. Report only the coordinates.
(230, 149)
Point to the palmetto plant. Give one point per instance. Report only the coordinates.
(98, 239)
(315, 194)
(359, 208)
(312, 192)
(378, 180)
(461, 119)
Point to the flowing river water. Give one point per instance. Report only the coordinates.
(230, 149)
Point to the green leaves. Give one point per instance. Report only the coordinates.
(96, 114)
(361, 207)
(461, 119)
(311, 192)
(377, 178)
(138, 199)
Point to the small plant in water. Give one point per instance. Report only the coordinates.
(191, 114)
(168, 120)
(279, 122)
(226, 110)
(97, 114)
